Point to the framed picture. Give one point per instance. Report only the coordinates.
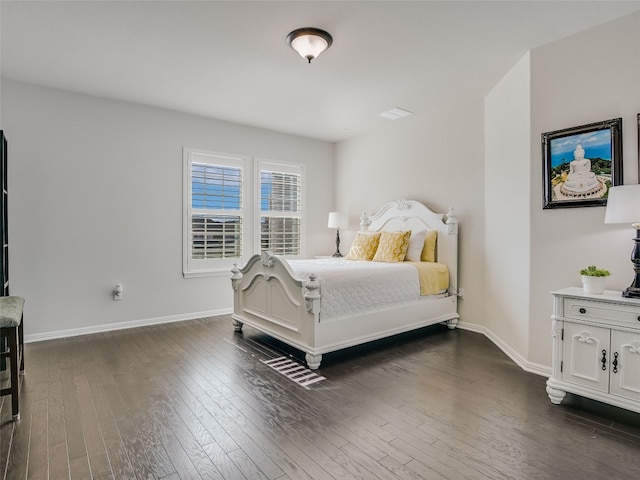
(581, 164)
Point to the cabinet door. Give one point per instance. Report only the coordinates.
(625, 364)
(583, 351)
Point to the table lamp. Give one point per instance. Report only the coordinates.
(623, 206)
(337, 220)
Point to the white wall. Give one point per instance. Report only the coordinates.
(588, 77)
(512, 253)
(507, 196)
(436, 157)
(0, 79)
(95, 199)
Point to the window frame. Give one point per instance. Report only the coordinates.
(214, 267)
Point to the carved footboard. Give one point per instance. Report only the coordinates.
(268, 297)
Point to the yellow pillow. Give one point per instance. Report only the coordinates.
(392, 247)
(429, 250)
(364, 246)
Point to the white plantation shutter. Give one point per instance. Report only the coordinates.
(280, 202)
(214, 218)
(216, 211)
(234, 208)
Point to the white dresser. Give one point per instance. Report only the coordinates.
(596, 347)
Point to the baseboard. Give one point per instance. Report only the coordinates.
(509, 352)
(74, 332)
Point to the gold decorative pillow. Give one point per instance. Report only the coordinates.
(364, 246)
(392, 247)
(429, 250)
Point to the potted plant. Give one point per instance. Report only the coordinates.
(594, 279)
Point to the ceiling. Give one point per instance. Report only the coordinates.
(230, 60)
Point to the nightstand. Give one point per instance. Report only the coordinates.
(596, 347)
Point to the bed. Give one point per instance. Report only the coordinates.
(291, 300)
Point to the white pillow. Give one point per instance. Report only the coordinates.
(416, 244)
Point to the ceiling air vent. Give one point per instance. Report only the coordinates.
(396, 113)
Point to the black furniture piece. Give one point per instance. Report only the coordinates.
(4, 236)
(12, 337)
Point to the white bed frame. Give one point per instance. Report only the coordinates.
(268, 297)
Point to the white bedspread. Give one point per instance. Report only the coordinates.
(349, 287)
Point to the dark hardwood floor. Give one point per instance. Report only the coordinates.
(195, 400)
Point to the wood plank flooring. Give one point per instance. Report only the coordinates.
(195, 400)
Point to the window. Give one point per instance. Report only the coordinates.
(220, 228)
(214, 219)
(280, 200)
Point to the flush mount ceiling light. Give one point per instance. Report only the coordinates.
(309, 42)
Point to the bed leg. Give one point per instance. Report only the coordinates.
(237, 325)
(313, 361)
(452, 323)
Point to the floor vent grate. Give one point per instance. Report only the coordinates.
(294, 371)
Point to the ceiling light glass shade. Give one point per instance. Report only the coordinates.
(309, 42)
(623, 204)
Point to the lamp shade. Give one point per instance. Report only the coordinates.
(623, 204)
(309, 42)
(337, 220)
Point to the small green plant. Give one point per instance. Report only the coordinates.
(593, 271)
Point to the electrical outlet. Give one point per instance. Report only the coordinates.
(461, 293)
(117, 292)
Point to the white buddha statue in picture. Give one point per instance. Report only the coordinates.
(581, 181)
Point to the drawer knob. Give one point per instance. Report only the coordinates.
(584, 310)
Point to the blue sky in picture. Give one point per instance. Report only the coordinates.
(595, 144)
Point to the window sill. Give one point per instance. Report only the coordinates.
(207, 273)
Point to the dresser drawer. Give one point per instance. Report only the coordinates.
(601, 312)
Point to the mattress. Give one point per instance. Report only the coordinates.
(350, 287)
